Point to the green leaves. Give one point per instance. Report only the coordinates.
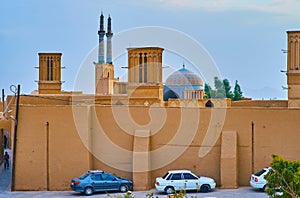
(283, 177)
(237, 93)
(223, 90)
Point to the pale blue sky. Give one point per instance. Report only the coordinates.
(244, 37)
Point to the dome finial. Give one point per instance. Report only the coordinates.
(183, 66)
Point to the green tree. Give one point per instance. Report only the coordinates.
(285, 176)
(227, 89)
(237, 92)
(220, 89)
(223, 90)
(207, 91)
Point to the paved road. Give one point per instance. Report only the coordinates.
(243, 192)
(5, 183)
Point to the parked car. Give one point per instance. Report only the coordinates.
(175, 180)
(98, 180)
(258, 180)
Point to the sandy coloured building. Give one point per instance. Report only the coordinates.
(127, 128)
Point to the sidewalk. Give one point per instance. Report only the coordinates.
(5, 175)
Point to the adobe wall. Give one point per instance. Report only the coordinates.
(42, 167)
(108, 133)
(260, 103)
(275, 132)
(69, 99)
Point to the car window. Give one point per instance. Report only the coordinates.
(169, 177)
(106, 176)
(176, 176)
(164, 177)
(259, 173)
(96, 177)
(83, 176)
(189, 176)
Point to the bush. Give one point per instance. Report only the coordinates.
(283, 177)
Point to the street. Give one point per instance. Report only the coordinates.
(242, 192)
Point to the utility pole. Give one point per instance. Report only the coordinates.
(252, 146)
(3, 99)
(15, 140)
(48, 154)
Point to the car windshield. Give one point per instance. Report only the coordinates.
(83, 176)
(259, 173)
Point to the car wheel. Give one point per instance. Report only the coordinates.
(205, 188)
(123, 188)
(264, 188)
(169, 190)
(88, 191)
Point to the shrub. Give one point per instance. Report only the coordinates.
(283, 177)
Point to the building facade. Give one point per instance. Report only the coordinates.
(127, 128)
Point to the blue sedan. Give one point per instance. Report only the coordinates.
(97, 180)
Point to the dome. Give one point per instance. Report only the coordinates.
(180, 83)
(184, 77)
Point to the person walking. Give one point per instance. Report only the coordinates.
(6, 160)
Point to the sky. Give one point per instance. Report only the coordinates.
(244, 38)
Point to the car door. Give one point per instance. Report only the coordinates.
(109, 182)
(191, 181)
(176, 181)
(97, 182)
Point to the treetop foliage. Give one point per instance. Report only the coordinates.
(223, 90)
(284, 177)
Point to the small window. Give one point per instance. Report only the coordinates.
(189, 176)
(140, 68)
(176, 176)
(96, 177)
(209, 104)
(50, 68)
(145, 68)
(107, 177)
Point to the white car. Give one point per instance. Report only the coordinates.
(258, 180)
(175, 180)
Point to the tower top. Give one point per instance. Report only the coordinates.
(101, 34)
(101, 31)
(49, 73)
(293, 31)
(109, 32)
(293, 68)
(109, 35)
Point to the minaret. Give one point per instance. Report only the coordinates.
(101, 34)
(104, 71)
(109, 35)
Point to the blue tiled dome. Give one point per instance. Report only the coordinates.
(184, 77)
(179, 81)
